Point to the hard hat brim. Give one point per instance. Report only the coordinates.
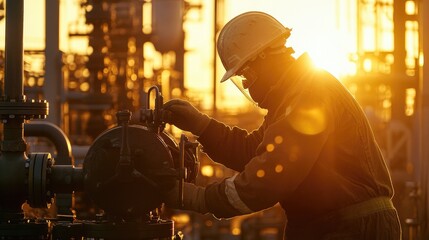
(232, 71)
(228, 74)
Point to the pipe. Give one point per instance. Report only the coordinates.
(14, 50)
(12, 169)
(66, 179)
(424, 120)
(53, 78)
(56, 136)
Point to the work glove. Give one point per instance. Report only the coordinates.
(193, 198)
(183, 115)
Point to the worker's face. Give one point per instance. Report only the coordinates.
(258, 91)
(262, 80)
(249, 76)
(244, 79)
(255, 79)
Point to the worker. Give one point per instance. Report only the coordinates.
(315, 152)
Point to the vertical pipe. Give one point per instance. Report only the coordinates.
(13, 134)
(14, 50)
(359, 42)
(52, 86)
(12, 158)
(399, 37)
(218, 22)
(180, 61)
(424, 120)
(215, 29)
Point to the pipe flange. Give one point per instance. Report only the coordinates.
(38, 179)
(29, 110)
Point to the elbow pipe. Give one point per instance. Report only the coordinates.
(56, 136)
(66, 179)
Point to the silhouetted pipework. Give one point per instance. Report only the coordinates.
(124, 118)
(14, 109)
(23, 178)
(152, 117)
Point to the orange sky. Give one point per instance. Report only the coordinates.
(317, 28)
(324, 29)
(321, 28)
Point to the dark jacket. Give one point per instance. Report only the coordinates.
(315, 153)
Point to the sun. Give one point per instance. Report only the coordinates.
(334, 53)
(338, 63)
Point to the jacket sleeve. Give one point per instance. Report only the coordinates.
(289, 149)
(230, 146)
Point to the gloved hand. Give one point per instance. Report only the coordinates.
(183, 115)
(193, 198)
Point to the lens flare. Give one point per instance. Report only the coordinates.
(309, 121)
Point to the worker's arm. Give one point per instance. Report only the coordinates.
(230, 146)
(289, 149)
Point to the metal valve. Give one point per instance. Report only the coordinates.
(152, 117)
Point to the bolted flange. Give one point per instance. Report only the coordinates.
(39, 168)
(28, 109)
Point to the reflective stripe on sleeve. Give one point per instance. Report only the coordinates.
(233, 198)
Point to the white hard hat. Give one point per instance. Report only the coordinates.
(246, 36)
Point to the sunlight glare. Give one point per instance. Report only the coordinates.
(309, 121)
(333, 59)
(207, 171)
(323, 30)
(318, 28)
